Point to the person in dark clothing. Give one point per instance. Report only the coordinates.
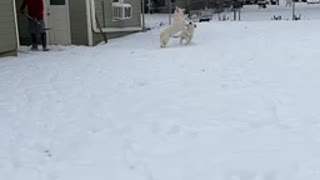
(36, 22)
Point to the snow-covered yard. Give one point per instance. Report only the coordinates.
(240, 103)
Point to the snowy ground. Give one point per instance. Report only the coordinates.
(239, 103)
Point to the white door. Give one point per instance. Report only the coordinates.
(58, 20)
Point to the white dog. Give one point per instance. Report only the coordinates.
(186, 34)
(177, 26)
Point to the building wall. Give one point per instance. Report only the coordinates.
(104, 7)
(104, 15)
(78, 22)
(9, 53)
(8, 39)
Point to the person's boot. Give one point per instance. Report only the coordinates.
(44, 42)
(34, 46)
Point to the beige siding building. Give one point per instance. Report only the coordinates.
(77, 21)
(8, 31)
(71, 22)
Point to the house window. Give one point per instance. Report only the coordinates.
(127, 12)
(57, 2)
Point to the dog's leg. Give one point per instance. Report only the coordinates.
(188, 40)
(161, 43)
(164, 42)
(181, 40)
(188, 34)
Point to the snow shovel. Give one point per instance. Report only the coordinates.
(35, 20)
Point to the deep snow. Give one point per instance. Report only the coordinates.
(239, 103)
